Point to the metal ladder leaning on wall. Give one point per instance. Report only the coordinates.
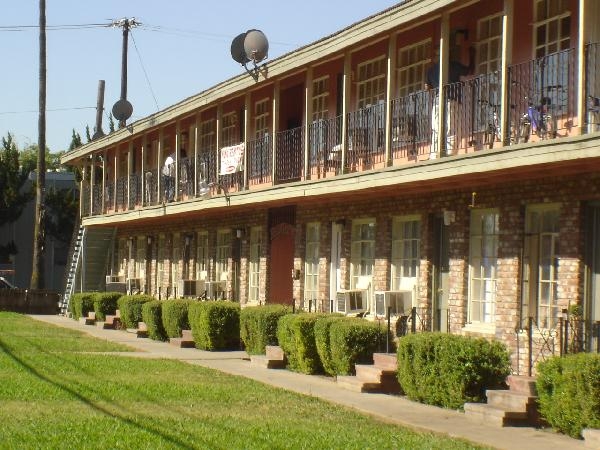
(73, 267)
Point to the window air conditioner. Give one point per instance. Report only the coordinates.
(400, 302)
(113, 279)
(351, 301)
(214, 289)
(190, 288)
(133, 285)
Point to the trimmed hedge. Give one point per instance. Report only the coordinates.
(569, 392)
(105, 303)
(258, 326)
(449, 370)
(152, 316)
(296, 336)
(215, 325)
(81, 304)
(353, 341)
(175, 316)
(323, 341)
(131, 309)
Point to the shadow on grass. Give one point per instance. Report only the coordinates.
(86, 401)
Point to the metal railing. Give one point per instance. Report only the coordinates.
(542, 97)
(121, 193)
(411, 124)
(135, 190)
(259, 160)
(366, 138)
(207, 169)
(97, 200)
(109, 196)
(186, 178)
(85, 203)
(325, 147)
(289, 155)
(592, 87)
(151, 187)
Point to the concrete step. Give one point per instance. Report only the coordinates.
(591, 437)
(484, 413)
(275, 352)
(510, 401)
(522, 384)
(112, 322)
(354, 384)
(182, 343)
(87, 321)
(386, 361)
(266, 362)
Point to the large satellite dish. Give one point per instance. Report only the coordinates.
(122, 110)
(251, 46)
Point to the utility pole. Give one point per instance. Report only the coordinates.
(122, 109)
(39, 233)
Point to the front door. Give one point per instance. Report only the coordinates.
(336, 249)
(592, 264)
(441, 275)
(281, 264)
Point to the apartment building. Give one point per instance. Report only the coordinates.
(441, 155)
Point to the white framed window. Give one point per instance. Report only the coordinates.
(311, 262)
(371, 82)
(540, 264)
(202, 258)
(254, 265)
(413, 61)
(175, 260)
(207, 136)
(552, 27)
(362, 253)
(483, 263)
(229, 132)
(406, 241)
(489, 44)
(223, 254)
(140, 257)
(160, 270)
(320, 98)
(261, 118)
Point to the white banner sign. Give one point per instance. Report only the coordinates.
(232, 159)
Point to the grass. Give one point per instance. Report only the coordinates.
(55, 396)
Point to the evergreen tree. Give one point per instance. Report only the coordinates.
(75, 140)
(111, 123)
(88, 136)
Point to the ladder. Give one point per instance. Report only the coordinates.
(72, 273)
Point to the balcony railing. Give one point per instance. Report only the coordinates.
(541, 104)
(289, 151)
(85, 203)
(592, 87)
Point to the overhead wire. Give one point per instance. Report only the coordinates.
(144, 69)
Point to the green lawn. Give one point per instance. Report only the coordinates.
(52, 395)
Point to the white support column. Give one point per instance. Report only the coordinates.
(507, 45)
(390, 94)
(92, 179)
(103, 194)
(115, 178)
(346, 90)
(308, 112)
(129, 169)
(581, 66)
(159, 166)
(81, 190)
(443, 77)
(143, 170)
(197, 123)
(247, 109)
(218, 137)
(275, 128)
(177, 145)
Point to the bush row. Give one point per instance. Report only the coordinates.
(102, 303)
(258, 326)
(569, 392)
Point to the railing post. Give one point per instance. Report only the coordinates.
(565, 317)
(530, 344)
(413, 319)
(507, 33)
(387, 335)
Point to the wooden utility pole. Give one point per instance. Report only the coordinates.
(39, 233)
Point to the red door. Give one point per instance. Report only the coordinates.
(281, 264)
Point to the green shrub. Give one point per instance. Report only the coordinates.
(130, 307)
(81, 304)
(353, 341)
(175, 316)
(296, 336)
(258, 326)
(105, 303)
(448, 370)
(215, 325)
(569, 392)
(323, 341)
(152, 317)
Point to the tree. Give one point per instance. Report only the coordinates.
(111, 123)
(75, 141)
(88, 136)
(62, 206)
(13, 197)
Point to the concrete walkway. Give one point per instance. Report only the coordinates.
(393, 409)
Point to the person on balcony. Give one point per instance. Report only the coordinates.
(456, 71)
(168, 172)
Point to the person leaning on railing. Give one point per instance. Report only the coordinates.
(456, 70)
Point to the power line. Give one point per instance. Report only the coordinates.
(54, 27)
(144, 70)
(50, 110)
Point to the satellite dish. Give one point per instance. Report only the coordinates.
(122, 110)
(256, 45)
(237, 49)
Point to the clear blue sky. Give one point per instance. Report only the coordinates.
(184, 46)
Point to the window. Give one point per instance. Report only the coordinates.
(229, 132)
(406, 239)
(552, 29)
(489, 44)
(483, 261)
(254, 265)
(261, 118)
(540, 264)
(311, 263)
(160, 271)
(362, 254)
(140, 257)
(371, 82)
(223, 254)
(202, 261)
(175, 269)
(413, 61)
(320, 99)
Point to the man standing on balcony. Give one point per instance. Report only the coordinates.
(453, 94)
(168, 172)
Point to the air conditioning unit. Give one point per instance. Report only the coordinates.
(190, 288)
(113, 279)
(215, 289)
(400, 302)
(133, 285)
(353, 301)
